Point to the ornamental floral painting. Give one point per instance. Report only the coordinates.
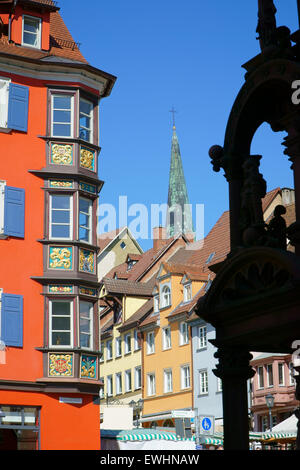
(86, 261)
(61, 154)
(88, 368)
(87, 159)
(61, 365)
(60, 257)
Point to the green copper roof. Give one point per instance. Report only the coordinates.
(179, 216)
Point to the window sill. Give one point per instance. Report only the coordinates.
(5, 130)
(204, 348)
(167, 349)
(127, 353)
(203, 395)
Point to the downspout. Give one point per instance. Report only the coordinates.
(10, 19)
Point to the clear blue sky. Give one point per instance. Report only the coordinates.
(172, 53)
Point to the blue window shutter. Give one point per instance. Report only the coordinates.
(18, 107)
(14, 212)
(12, 320)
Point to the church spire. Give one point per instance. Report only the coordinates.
(179, 214)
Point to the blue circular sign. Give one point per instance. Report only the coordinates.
(206, 424)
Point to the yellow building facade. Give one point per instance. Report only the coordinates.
(167, 349)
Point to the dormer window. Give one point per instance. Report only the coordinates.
(156, 303)
(187, 292)
(32, 28)
(165, 296)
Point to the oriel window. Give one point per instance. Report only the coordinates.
(62, 115)
(86, 324)
(85, 220)
(61, 217)
(85, 120)
(61, 323)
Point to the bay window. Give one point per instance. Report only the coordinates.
(62, 110)
(61, 217)
(86, 324)
(85, 120)
(85, 220)
(61, 320)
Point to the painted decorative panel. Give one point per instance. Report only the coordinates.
(87, 158)
(87, 291)
(86, 261)
(61, 154)
(60, 257)
(61, 184)
(60, 365)
(61, 289)
(90, 188)
(88, 367)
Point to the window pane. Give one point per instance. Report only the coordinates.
(85, 107)
(59, 338)
(62, 116)
(62, 102)
(85, 325)
(85, 341)
(84, 205)
(85, 121)
(30, 39)
(62, 130)
(61, 202)
(60, 217)
(31, 25)
(61, 323)
(60, 231)
(60, 308)
(84, 234)
(84, 219)
(84, 134)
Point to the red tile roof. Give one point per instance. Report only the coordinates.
(187, 307)
(118, 286)
(62, 44)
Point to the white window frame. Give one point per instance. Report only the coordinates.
(292, 380)
(260, 375)
(101, 391)
(71, 304)
(118, 347)
(281, 367)
(128, 380)
(166, 338)
(136, 343)
(127, 346)
(187, 292)
(183, 333)
(165, 297)
(185, 374)
(53, 95)
(119, 385)
(150, 340)
(109, 356)
(168, 380)
(91, 116)
(151, 384)
(109, 385)
(90, 215)
(203, 382)
(102, 349)
(269, 368)
(91, 320)
(202, 337)
(55, 223)
(138, 377)
(39, 31)
(4, 95)
(219, 384)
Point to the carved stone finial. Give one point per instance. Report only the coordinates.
(266, 27)
(216, 153)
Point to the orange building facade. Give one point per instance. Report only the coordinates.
(49, 186)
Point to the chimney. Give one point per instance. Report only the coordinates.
(159, 237)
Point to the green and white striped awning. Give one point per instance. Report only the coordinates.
(278, 435)
(140, 435)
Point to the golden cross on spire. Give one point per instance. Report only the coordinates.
(173, 111)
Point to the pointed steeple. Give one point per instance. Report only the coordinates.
(179, 214)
